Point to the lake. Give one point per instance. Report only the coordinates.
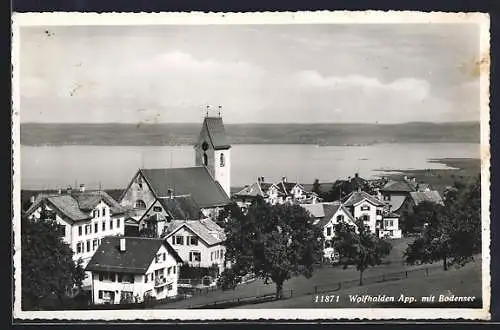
(51, 167)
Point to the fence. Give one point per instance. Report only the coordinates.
(316, 289)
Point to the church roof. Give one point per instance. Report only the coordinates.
(181, 207)
(195, 181)
(216, 132)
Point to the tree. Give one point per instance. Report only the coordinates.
(423, 213)
(47, 263)
(316, 187)
(275, 242)
(357, 246)
(453, 235)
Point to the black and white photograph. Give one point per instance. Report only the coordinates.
(190, 166)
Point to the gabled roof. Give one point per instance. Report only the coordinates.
(195, 181)
(398, 186)
(356, 197)
(214, 127)
(181, 207)
(252, 190)
(316, 210)
(88, 200)
(138, 255)
(331, 209)
(77, 205)
(205, 229)
(426, 196)
(265, 186)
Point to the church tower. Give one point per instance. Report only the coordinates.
(213, 151)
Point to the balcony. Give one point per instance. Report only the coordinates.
(160, 281)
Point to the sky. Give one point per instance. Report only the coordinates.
(319, 73)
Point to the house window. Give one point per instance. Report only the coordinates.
(379, 212)
(61, 230)
(222, 160)
(79, 230)
(88, 245)
(96, 227)
(192, 240)
(103, 225)
(195, 256)
(211, 256)
(128, 278)
(366, 217)
(389, 223)
(95, 244)
(79, 247)
(159, 273)
(387, 197)
(169, 270)
(146, 277)
(88, 229)
(222, 254)
(205, 159)
(328, 231)
(158, 258)
(169, 287)
(139, 204)
(328, 244)
(179, 240)
(118, 223)
(340, 218)
(175, 269)
(103, 211)
(164, 256)
(173, 240)
(110, 224)
(365, 208)
(157, 208)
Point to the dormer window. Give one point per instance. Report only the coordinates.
(222, 160)
(365, 208)
(340, 218)
(139, 204)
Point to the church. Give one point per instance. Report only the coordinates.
(187, 193)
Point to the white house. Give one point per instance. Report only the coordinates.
(332, 214)
(390, 226)
(198, 243)
(129, 269)
(85, 217)
(366, 207)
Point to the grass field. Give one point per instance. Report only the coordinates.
(464, 281)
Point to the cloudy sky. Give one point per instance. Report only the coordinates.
(257, 73)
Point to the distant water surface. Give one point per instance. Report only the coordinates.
(48, 167)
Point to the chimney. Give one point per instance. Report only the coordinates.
(170, 193)
(283, 179)
(59, 191)
(68, 190)
(356, 175)
(82, 188)
(122, 244)
(261, 179)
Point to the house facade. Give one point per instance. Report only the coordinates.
(390, 226)
(198, 243)
(150, 189)
(130, 269)
(85, 217)
(366, 207)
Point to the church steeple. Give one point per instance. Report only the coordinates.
(213, 150)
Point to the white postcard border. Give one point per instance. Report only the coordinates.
(198, 18)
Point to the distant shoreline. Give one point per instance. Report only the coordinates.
(186, 134)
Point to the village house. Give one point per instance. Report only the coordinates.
(327, 215)
(130, 269)
(275, 193)
(390, 226)
(365, 207)
(395, 192)
(149, 188)
(199, 243)
(85, 217)
(163, 211)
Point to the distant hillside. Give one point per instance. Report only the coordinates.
(186, 134)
